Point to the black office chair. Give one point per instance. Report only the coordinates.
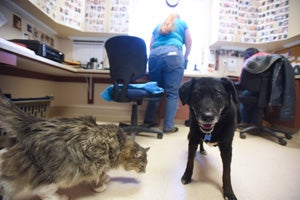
(261, 86)
(127, 56)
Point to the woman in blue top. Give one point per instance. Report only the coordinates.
(166, 67)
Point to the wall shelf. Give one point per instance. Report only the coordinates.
(268, 47)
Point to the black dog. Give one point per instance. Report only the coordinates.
(212, 103)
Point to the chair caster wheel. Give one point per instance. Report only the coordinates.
(159, 135)
(282, 141)
(242, 135)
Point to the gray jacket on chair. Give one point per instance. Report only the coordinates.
(283, 92)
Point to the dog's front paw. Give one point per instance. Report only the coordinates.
(230, 197)
(228, 193)
(186, 179)
(203, 152)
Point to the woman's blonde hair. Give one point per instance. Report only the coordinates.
(168, 25)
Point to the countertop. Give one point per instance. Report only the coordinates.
(22, 58)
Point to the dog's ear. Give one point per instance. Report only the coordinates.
(228, 84)
(185, 91)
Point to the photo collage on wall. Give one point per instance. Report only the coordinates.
(253, 21)
(119, 16)
(71, 13)
(47, 6)
(95, 16)
(273, 20)
(88, 15)
(66, 12)
(247, 20)
(227, 20)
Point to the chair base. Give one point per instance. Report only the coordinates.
(271, 131)
(133, 128)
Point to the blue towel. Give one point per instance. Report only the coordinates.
(150, 87)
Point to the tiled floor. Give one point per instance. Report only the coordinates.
(261, 170)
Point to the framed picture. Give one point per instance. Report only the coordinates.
(17, 22)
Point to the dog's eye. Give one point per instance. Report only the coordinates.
(220, 93)
(198, 95)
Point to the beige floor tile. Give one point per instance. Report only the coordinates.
(261, 170)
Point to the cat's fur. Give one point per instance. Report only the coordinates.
(61, 152)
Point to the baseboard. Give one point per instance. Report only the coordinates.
(105, 113)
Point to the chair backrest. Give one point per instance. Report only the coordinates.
(258, 83)
(252, 82)
(127, 56)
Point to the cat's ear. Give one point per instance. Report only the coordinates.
(147, 149)
(140, 153)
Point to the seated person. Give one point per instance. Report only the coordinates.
(248, 112)
(283, 84)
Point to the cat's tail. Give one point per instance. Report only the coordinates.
(12, 118)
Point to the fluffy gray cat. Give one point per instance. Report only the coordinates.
(48, 154)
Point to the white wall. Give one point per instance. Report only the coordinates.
(7, 31)
(145, 15)
(294, 16)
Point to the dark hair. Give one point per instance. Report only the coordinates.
(250, 52)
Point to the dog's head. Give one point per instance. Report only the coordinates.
(207, 98)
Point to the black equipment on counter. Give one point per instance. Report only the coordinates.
(42, 49)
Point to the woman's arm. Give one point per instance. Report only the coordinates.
(188, 43)
(151, 41)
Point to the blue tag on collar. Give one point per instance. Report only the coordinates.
(207, 137)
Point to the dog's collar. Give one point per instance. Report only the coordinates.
(207, 137)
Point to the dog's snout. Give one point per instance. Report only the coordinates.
(207, 116)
